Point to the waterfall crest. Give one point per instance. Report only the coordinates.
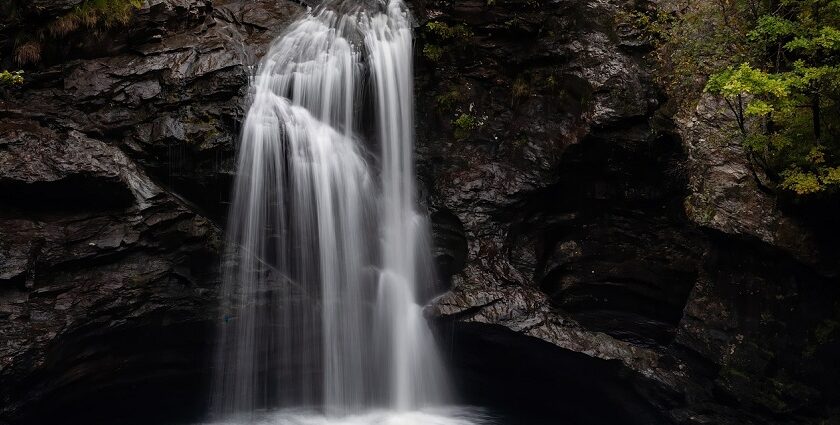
(324, 258)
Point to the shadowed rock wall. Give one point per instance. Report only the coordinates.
(606, 261)
(116, 157)
(583, 212)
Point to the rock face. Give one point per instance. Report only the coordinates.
(603, 261)
(104, 275)
(590, 219)
(115, 162)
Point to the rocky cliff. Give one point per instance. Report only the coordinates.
(582, 210)
(115, 161)
(605, 258)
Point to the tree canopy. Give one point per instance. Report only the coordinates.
(776, 63)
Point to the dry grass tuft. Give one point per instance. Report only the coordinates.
(520, 88)
(64, 25)
(28, 52)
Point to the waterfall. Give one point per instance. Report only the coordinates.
(326, 249)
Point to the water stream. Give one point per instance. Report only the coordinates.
(326, 248)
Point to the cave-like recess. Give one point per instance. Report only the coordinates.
(600, 259)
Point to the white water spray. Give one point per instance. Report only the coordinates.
(324, 261)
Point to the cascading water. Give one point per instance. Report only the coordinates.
(324, 262)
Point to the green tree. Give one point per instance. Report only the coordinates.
(778, 71)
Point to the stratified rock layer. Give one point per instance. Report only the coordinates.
(592, 220)
(115, 160)
(602, 261)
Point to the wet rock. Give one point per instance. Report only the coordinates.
(60, 171)
(589, 245)
(599, 224)
(39, 8)
(172, 95)
(726, 189)
(90, 245)
(112, 156)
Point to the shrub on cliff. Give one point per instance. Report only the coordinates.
(12, 78)
(777, 65)
(95, 13)
(91, 15)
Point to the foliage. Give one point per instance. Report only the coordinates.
(465, 121)
(12, 78)
(520, 88)
(444, 31)
(776, 65)
(464, 124)
(432, 52)
(690, 40)
(28, 52)
(449, 99)
(93, 15)
(766, 91)
(439, 34)
(537, 81)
